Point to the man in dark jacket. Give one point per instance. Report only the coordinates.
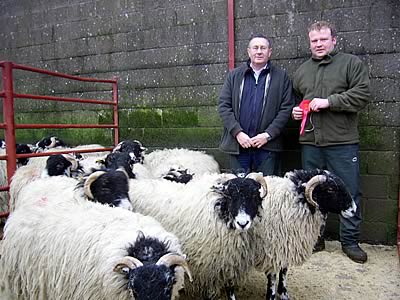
(338, 86)
(255, 104)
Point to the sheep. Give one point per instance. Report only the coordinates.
(214, 218)
(293, 211)
(19, 149)
(117, 160)
(60, 246)
(134, 148)
(49, 143)
(160, 162)
(105, 186)
(109, 187)
(177, 164)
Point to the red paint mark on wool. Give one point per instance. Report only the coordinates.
(42, 201)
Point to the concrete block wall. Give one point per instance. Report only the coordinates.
(171, 59)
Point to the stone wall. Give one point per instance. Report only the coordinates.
(171, 56)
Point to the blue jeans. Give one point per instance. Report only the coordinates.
(256, 160)
(342, 160)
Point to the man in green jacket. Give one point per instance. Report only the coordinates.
(338, 86)
(255, 104)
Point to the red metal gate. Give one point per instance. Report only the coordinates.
(9, 125)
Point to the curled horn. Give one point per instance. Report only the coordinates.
(118, 147)
(53, 141)
(127, 261)
(89, 181)
(140, 145)
(311, 185)
(259, 177)
(72, 160)
(170, 259)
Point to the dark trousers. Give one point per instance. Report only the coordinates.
(342, 160)
(256, 160)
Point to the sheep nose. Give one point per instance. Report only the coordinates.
(243, 225)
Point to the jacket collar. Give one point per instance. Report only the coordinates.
(327, 58)
(267, 67)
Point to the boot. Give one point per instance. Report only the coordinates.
(355, 253)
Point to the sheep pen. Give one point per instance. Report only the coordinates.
(330, 275)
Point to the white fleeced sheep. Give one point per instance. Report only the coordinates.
(214, 217)
(160, 162)
(178, 164)
(60, 246)
(294, 209)
(53, 165)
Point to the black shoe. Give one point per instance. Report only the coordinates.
(319, 245)
(355, 253)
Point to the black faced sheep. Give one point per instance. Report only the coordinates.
(106, 186)
(293, 211)
(214, 217)
(196, 163)
(49, 143)
(179, 165)
(60, 246)
(134, 148)
(109, 187)
(117, 160)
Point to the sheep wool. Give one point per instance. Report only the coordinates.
(60, 247)
(216, 255)
(196, 162)
(289, 231)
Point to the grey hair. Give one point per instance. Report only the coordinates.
(259, 35)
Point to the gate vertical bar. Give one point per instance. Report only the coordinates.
(231, 35)
(115, 110)
(8, 113)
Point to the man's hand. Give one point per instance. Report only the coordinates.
(319, 103)
(243, 140)
(297, 113)
(259, 140)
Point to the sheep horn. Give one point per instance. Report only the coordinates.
(89, 181)
(311, 185)
(118, 147)
(72, 160)
(170, 259)
(53, 140)
(259, 177)
(127, 262)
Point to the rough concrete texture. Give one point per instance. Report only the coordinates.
(330, 275)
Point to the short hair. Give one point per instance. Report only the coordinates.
(317, 26)
(259, 35)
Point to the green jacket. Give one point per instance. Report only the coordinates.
(343, 80)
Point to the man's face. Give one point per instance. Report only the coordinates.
(321, 42)
(259, 52)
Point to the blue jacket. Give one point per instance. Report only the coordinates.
(276, 108)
